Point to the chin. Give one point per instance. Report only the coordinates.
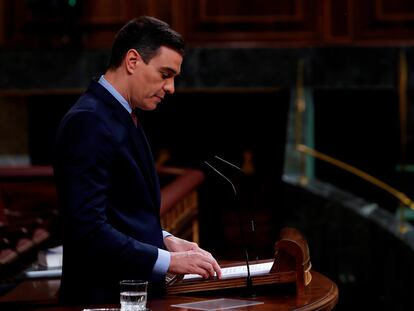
(151, 107)
(148, 106)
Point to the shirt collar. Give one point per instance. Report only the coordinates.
(102, 81)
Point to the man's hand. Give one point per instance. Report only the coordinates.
(188, 257)
(174, 244)
(194, 262)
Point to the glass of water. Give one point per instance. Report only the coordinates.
(133, 295)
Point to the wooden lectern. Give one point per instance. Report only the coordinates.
(290, 265)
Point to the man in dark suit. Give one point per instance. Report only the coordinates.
(106, 179)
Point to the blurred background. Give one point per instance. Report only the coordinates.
(312, 98)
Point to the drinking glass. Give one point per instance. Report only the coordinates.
(133, 295)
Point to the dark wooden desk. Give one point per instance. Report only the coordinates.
(40, 295)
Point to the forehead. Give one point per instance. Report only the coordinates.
(167, 58)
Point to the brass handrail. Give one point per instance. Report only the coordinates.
(403, 198)
(303, 149)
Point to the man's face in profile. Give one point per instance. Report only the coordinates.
(153, 80)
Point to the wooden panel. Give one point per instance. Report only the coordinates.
(107, 12)
(88, 23)
(117, 12)
(13, 127)
(338, 21)
(92, 24)
(103, 18)
(39, 23)
(395, 10)
(161, 9)
(384, 21)
(259, 11)
(276, 21)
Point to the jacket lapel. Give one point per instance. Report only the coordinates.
(141, 140)
(141, 150)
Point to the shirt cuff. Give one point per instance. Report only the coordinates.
(161, 265)
(165, 234)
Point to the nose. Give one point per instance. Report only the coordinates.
(169, 86)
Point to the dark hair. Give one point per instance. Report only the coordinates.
(145, 34)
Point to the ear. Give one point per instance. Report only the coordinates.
(132, 60)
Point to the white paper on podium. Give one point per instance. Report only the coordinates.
(218, 304)
(238, 271)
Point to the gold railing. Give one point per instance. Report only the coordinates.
(300, 107)
(403, 198)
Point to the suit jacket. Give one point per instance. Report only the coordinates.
(110, 199)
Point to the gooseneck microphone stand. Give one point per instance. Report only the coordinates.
(249, 284)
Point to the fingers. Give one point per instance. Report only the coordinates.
(214, 264)
(195, 262)
(203, 263)
(206, 270)
(213, 267)
(210, 266)
(217, 269)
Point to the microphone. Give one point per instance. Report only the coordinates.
(252, 224)
(231, 164)
(249, 283)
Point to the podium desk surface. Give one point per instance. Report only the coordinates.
(40, 295)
